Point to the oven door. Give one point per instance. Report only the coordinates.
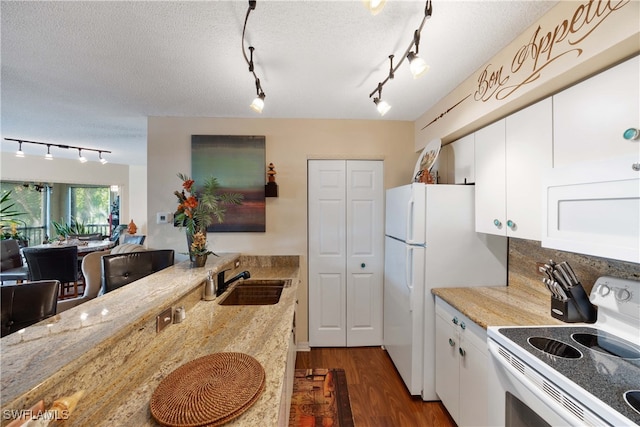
(521, 397)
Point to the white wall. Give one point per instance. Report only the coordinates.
(289, 144)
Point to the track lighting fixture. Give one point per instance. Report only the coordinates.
(258, 103)
(20, 153)
(49, 156)
(417, 65)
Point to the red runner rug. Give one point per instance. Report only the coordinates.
(320, 398)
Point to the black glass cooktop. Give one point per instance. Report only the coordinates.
(600, 363)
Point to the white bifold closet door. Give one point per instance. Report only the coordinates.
(346, 252)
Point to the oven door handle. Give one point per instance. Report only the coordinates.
(568, 416)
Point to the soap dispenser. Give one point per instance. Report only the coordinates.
(210, 287)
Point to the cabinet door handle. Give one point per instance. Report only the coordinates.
(631, 134)
(462, 352)
(511, 224)
(363, 265)
(462, 325)
(451, 342)
(455, 320)
(497, 223)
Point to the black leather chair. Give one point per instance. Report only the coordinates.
(12, 267)
(121, 269)
(54, 264)
(26, 304)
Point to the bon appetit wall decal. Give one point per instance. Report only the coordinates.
(566, 40)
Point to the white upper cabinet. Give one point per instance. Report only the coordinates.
(461, 161)
(490, 179)
(589, 119)
(510, 158)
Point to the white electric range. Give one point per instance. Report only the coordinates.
(576, 374)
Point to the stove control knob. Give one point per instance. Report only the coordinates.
(623, 294)
(604, 290)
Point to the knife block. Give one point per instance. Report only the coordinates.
(576, 309)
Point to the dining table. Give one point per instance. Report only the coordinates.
(84, 247)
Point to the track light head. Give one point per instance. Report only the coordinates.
(382, 106)
(417, 65)
(258, 103)
(20, 153)
(82, 158)
(48, 156)
(102, 160)
(374, 6)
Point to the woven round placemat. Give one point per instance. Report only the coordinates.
(208, 391)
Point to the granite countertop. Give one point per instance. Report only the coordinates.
(500, 305)
(115, 355)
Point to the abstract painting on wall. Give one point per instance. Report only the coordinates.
(238, 163)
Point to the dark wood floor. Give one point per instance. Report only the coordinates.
(378, 396)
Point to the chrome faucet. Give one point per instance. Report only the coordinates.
(222, 285)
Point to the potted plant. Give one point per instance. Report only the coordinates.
(9, 221)
(64, 230)
(198, 209)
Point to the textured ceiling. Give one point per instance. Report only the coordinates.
(89, 73)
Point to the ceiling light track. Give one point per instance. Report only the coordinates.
(49, 156)
(258, 103)
(417, 65)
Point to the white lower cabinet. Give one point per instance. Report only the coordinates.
(462, 363)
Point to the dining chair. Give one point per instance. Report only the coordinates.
(137, 239)
(121, 269)
(12, 266)
(26, 304)
(91, 265)
(54, 264)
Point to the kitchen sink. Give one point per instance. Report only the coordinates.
(255, 292)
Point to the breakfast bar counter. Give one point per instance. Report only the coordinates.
(109, 347)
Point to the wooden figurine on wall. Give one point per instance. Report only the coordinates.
(271, 189)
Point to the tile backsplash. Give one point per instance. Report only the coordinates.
(524, 255)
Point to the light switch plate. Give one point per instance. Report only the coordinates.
(164, 217)
(163, 319)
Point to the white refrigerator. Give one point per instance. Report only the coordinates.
(430, 242)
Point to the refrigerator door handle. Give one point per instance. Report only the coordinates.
(408, 260)
(409, 236)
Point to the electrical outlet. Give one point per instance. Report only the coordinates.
(163, 319)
